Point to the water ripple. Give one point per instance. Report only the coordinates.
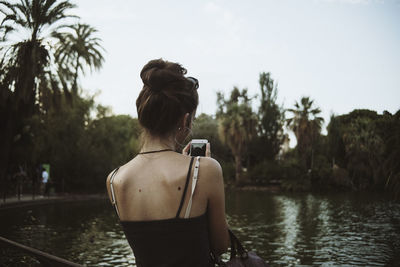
(286, 230)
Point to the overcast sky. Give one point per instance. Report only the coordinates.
(344, 54)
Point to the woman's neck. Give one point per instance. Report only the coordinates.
(151, 143)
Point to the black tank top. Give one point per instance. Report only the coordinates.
(169, 242)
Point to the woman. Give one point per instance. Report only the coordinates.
(165, 224)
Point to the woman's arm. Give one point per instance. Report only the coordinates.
(218, 228)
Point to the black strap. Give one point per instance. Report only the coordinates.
(155, 151)
(237, 248)
(186, 186)
(114, 172)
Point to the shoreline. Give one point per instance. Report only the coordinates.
(264, 188)
(26, 200)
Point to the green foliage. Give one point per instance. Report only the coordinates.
(229, 172)
(45, 119)
(265, 171)
(271, 120)
(294, 176)
(34, 84)
(336, 150)
(60, 141)
(77, 49)
(306, 125)
(27, 81)
(357, 145)
(205, 126)
(366, 145)
(30, 59)
(237, 126)
(321, 173)
(33, 16)
(82, 150)
(388, 128)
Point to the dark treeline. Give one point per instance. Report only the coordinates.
(361, 150)
(46, 119)
(80, 149)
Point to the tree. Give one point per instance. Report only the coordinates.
(27, 59)
(27, 77)
(271, 120)
(366, 145)
(389, 128)
(306, 125)
(364, 149)
(78, 49)
(206, 126)
(83, 149)
(237, 126)
(37, 70)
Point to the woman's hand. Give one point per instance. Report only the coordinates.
(185, 150)
(208, 150)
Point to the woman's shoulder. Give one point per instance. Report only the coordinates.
(211, 177)
(210, 167)
(210, 163)
(110, 175)
(121, 169)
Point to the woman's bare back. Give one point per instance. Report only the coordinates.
(150, 187)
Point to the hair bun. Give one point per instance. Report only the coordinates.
(156, 76)
(159, 113)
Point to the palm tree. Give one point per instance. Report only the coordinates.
(29, 58)
(78, 49)
(237, 126)
(306, 125)
(26, 61)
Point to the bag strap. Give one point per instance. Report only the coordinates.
(236, 250)
(194, 182)
(113, 200)
(236, 247)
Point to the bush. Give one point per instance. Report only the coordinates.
(294, 176)
(265, 171)
(322, 172)
(228, 169)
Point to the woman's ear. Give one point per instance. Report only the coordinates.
(187, 120)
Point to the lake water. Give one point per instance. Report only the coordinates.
(285, 229)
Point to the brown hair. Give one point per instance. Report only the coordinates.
(166, 96)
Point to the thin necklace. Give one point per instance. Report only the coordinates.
(155, 151)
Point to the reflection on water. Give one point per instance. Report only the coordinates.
(287, 230)
(315, 230)
(290, 230)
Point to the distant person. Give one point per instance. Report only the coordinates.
(20, 178)
(45, 180)
(169, 217)
(36, 180)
